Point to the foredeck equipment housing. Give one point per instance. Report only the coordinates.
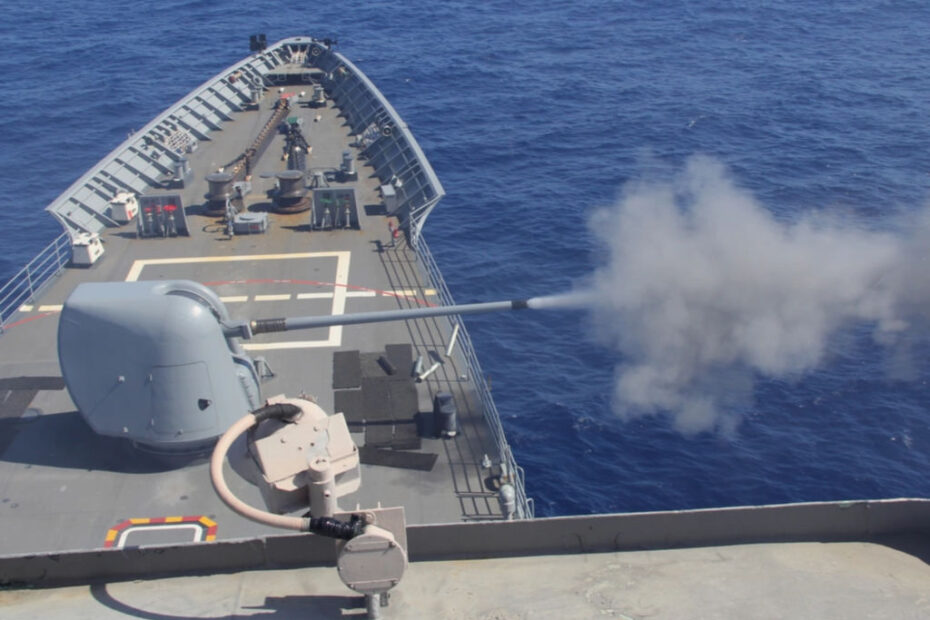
(146, 361)
(159, 362)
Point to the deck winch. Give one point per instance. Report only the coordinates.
(220, 193)
(291, 194)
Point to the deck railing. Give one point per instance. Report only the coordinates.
(525, 505)
(32, 279)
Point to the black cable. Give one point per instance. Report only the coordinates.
(334, 528)
(275, 412)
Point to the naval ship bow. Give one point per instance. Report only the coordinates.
(284, 185)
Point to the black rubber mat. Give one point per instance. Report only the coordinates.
(404, 401)
(395, 364)
(405, 437)
(371, 369)
(349, 402)
(32, 383)
(376, 399)
(401, 357)
(379, 435)
(379, 400)
(347, 370)
(423, 461)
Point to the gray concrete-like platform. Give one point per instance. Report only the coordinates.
(784, 580)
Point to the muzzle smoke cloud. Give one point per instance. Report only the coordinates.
(703, 289)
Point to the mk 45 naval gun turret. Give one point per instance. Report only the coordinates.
(160, 363)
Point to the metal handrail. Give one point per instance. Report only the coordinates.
(32, 279)
(525, 505)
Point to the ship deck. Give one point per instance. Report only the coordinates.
(63, 487)
(799, 580)
(844, 559)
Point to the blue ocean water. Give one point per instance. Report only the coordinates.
(534, 115)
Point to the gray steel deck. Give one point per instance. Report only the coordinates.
(62, 487)
(800, 580)
(822, 560)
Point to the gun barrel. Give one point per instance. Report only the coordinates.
(262, 326)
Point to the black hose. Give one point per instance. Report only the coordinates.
(334, 528)
(275, 412)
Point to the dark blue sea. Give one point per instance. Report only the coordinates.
(537, 116)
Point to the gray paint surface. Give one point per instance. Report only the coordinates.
(904, 520)
(867, 560)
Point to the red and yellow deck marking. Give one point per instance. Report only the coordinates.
(204, 526)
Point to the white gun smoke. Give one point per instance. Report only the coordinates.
(703, 289)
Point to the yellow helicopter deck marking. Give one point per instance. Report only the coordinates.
(202, 527)
(330, 295)
(339, 290)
